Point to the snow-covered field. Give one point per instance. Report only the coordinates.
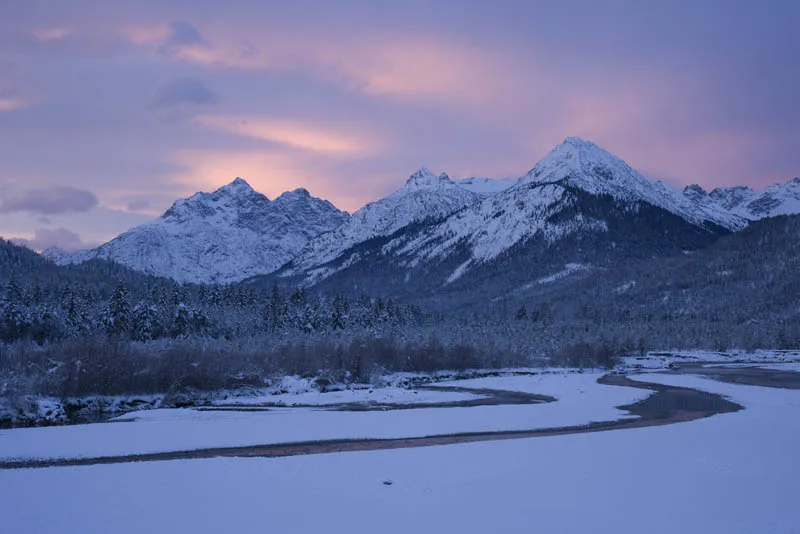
(581, 400)
(663, 359)
(732, 473)
(286, 391)
(794, 367)
(300, 392)
(388, 395)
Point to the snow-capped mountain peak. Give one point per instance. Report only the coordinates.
(424, 179)
(293, 196)
(585, 165)
(731, 197)
(545, 204)
(424, 197)
(694, 191)
(227, 200)
(235, 232)
(238, 186)
(777, 199)
(224, 236)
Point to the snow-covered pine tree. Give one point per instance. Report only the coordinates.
(118, 321)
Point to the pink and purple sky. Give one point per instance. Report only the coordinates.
(111, 110)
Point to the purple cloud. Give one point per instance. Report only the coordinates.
(48, 200)
(183, 91)
(182, 35)
(137, 205)
(707, 99)
(59, 238)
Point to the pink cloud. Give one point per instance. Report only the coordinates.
(11, 104)
(408, 66)
(52, 33)
(709, 158)
(296, 134)
(623, 108)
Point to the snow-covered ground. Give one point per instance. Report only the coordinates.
(794, 367)
(384, 395)
(729, 474)
(581, 400)
(663, 359)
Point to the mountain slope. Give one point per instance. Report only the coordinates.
(224, 236)
(531, 207)
(578, 200)
(424, 197)
(487, 186)
(588, 167)
(741, 291)
(778, 199)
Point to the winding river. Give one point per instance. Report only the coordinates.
(666, 405)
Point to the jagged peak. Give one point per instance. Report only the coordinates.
(238, 186)
(301, 199)
(421, 175)
(300, 192)
(791, 183)
(577, 147)
(425, 179)
(575, 141)
(694, 189)
(584, 165)
(574, 155)
(203, 204)
(735, 191)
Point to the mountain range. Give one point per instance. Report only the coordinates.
(579, 210)
(221, 237)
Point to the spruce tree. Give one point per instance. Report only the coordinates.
(118, 323)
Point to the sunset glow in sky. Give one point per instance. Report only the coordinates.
(109, 111)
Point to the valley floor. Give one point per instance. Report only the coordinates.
(731, 473)
(580, 400)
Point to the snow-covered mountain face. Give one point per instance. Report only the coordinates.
(531, 208)
(54, 254)
(425, 197)
(579, 198)
(438, 226)
(588, 167)
(487, 186)
(547, 205)
(225, 236)
(778, 199)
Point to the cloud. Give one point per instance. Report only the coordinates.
(11, 104)
(137, 205)
(62, 238)
(405, 66)
(146, 34)
(486, 99)
(272, 173)
(295, 134)
(182, 92)
(51, 34)
(707, 158)
(48, 201)
(182, 35)
(423, 67)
